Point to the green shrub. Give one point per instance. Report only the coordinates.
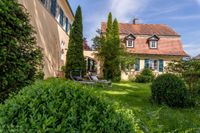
(145, 76)
(60, 106)
(20, 57)
(171, 90)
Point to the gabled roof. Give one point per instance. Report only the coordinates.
(169, 41)
(143, 29)
(166, 46)
(130, 36)
(153, 38)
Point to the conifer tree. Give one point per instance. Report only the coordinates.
(116, 52)
(107, 50)
(75, 58)
(112, 55)
(110, 51)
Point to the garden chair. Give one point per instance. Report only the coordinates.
(94, 78)
(76, 75)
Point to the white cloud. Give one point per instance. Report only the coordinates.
(125, 10)
(188, 17)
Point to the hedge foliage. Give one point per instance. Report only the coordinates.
(20, 57)
(171, 90)
(145, 76)
(60, 106)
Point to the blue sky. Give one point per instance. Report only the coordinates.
(182, 15)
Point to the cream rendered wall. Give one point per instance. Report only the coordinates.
(132, 73)
(51, 37)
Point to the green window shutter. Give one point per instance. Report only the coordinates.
(146, 63)
(67, 23)
(53, 7)
(61, 17)
(161, 65)
(137, 64)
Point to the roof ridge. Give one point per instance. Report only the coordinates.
(158, 29)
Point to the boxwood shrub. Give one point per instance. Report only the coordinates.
(145, 76)
(171, 90)
(60, 106)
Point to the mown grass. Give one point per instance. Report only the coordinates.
(154, 118)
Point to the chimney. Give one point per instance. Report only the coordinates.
(135, 21)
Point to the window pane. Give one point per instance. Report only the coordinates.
(129, 43)
(153, 44)
(61, 16)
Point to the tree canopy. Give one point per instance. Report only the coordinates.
(20, 57)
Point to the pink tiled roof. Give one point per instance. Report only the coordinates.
(143, 29)
(169, 45)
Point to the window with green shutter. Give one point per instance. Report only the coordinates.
(137, 64)
(53, 7)
(161, 65)
(67, 23)
(146, 63)
(61, 17)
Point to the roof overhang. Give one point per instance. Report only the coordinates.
(70, 8)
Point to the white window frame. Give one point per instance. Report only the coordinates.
(151, 45)
(127, 43)
(152, 65)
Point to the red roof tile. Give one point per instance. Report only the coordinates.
(169, 45)
(143, 29)
(166, 46)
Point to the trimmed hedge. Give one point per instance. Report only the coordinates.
(145, 76)
(60, 106)
(171, 90)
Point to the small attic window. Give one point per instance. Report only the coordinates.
(130, 41)
(153, 42)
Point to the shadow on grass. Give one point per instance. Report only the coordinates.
(129, 94)
(157, 118)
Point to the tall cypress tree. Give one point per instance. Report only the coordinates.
(111, 54)
(116, 52)
(75, 58)
(109, 27)
(107, 50)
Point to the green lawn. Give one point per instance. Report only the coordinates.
(154, 118)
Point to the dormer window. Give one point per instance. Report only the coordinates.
(153, 42)
(130, 41)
